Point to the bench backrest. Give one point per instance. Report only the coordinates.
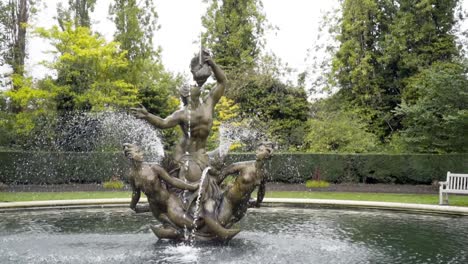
(457, 181)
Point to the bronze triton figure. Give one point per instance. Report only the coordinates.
(172, 189)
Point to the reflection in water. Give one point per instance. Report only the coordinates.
(269, 236)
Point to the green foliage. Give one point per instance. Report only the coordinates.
(382, 45)
(435, 110)
(6, 123)
(18, 167)
(225, 111)
(158, 92)
(158, 96)
(87, 167)
(280, 109)
(234, 32)
(136, 23)
(338, 131)
(89, 71)
(36, 104)
(113, 184)
(316, 184)
(77, 12)
(365, 168)
(135, 26)
(15, 16)
(235, 35)
(355, 65)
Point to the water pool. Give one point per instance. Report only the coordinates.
(270, 235)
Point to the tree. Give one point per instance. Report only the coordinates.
(135, 27)
(14, 19)
(36, 104)
(6, 123)
(435, 110)
(383, 44)
(225, 111)
(336, 130)
(235, 35)
(77, 12)
(136, 24)
(356, 65)
(278, 109)
(89, 71)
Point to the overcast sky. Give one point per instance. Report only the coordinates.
(180, 22)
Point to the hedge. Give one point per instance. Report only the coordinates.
(364, 168)
(60, 167)
(95, 167)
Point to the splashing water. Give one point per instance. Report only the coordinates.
(100, 131)
(197, 205)
(230, 133)
(119, 128)
(189, 135)
(69, 138)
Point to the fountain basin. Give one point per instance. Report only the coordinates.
(270, 235)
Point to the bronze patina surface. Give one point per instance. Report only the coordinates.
(179, 197)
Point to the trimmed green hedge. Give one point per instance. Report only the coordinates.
(65, 167)
(366, 168)
(60, 167)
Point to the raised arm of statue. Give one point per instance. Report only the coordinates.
(174, 181)
(158, 122)
(221, 79)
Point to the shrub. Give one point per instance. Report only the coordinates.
(115, 184)
(317, 184)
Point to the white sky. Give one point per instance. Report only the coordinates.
(180, 22)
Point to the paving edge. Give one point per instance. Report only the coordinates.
(267, 202)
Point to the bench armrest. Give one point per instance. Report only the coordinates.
(443, 185)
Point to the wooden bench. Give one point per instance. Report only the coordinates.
(456, 183)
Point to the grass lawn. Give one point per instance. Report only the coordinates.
(380, 197)
(41, 196)
(458, 200)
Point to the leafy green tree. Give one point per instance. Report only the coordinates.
(158, 95)
(225, 111)
(383, 44)
(89, 71)
(435, 110)
(14, 18)
(234, 31)
(340, 132)
(235, 36)
(279, 109)
(136, 24)
(6, 123)
(135, 28)
(77, 12)
(36, 104)
(356, 66)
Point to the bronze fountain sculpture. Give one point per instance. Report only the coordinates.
(185, 193)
